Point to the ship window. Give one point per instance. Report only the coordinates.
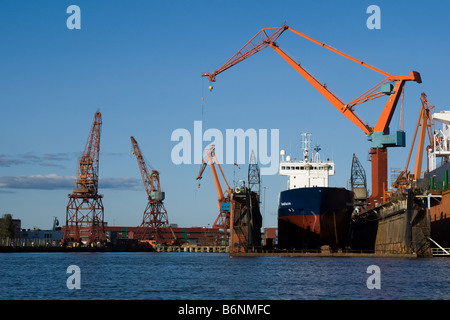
(283, 168)
(297, 168)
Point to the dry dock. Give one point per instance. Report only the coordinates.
(324, 254)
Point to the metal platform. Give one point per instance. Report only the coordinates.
(440, 252)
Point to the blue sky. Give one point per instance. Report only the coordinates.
(139, 63)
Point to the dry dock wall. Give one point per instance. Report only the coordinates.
(400, 226)
(391, 236)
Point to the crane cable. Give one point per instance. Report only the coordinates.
(402, 112)
(202, 120)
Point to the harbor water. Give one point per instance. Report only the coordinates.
(217, 276)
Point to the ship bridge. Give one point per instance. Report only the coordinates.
(310, 171)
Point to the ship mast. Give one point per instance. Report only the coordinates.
(306, 144)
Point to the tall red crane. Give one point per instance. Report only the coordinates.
(155, 222)
(223, 201)
(85, 212)
(391, 86)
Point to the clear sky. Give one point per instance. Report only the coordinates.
(140, 62)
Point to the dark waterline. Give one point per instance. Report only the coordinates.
(216, 276)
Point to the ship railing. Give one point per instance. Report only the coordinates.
(440, 252)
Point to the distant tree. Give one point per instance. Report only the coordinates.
(6, 226)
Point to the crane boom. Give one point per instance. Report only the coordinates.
(87, 178)
(263, 40)
(257, 43)
(426, 126)
(147, 178)
(210, 155)
(338, 104)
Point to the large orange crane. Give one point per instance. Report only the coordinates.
(85, 212)
(223, 201)
(391, 86)
(155, 222)
(406, 179)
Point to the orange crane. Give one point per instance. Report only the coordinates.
(223, 201)
(406, 179)
(391, 86)
(85, 212)
(155, 222)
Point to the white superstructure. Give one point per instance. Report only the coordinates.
(308, 172)
(441, 148)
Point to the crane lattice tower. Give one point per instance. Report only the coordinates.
(155, 222)
(254, 176)
(85, 212)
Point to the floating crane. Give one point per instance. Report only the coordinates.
(155, 222)
(223, 201)
(391, 86)
(85, 212)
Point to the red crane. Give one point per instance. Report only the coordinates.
(391, 86)
(85, 212)
(222, 221)
(155, 222)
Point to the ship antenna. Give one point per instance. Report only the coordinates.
(306, 141)
(317, 149)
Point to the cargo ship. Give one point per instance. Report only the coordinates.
(311, 214)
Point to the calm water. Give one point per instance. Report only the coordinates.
(201, 276)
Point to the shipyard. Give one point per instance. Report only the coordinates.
(410, 218)
(264, 141)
